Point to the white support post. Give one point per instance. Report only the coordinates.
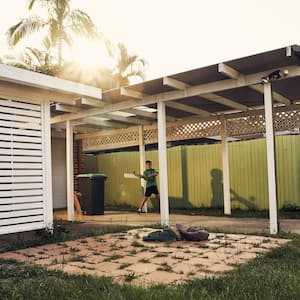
(70, 171)
(142, 162)
(162, 158)
(47, 170)
(271, 159)
(225, 161)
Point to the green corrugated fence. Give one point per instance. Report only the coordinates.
(195, 175)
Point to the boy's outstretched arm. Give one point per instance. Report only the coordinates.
(140, 175)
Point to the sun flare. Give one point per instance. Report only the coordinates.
(90, 54)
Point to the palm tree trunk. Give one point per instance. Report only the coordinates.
(59, 51)
(59, 54)
(60, 31)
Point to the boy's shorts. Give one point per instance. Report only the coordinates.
(151, 190)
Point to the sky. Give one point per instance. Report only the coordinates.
(178, 35)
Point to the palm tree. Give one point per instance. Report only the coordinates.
(15, 61)
(60, 24)
(32, 59)
(127, 66)
(41, 61)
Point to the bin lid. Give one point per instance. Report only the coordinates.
(91, 175)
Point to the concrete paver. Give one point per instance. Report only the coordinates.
(130, 260)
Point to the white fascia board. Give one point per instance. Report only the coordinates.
(41, 81)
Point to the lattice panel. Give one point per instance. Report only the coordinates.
(111, 141)
(238, 127)
(287, 120)
(251, 125)
(246, 126)
(150, 135)
(194, 130)
(176, 132)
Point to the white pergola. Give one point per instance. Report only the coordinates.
(190, 102)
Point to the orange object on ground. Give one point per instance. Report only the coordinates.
(77, 203)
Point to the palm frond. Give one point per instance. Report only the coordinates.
(140, 74)
(46, 42)
(43, 3)
(110, 47)
(24, 28)
(81, 23)
(54, 31)
(31, 4)
(127, 66)
(15, 61)
(34, 54)
(67, 39)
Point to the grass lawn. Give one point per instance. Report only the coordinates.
(273, 276)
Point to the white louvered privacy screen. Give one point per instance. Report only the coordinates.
(22, 166)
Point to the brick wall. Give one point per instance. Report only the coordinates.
(78, 162)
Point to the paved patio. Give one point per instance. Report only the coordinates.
(127, 259)
(229, 224)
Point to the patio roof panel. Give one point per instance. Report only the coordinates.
(204, 104)
(274, 59)
(289, 87)
(151, 87)
(244, 95)
(200, 76)
(177, 113)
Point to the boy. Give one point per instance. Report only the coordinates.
(151, 185)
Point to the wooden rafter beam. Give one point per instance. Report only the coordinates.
(128, 120)
(101, 123)
(141, 113)
(179, 85)
(174, 83)
(234, 74)
(89, 102)
(188, 108)
(131, 93)
(146, 114)
(66, 108)
(86, 129)
(210, 96)
(224, 101)
(138, 95)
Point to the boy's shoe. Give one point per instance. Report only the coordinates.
(139, 211)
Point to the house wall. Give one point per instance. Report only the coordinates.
(59, 178)
(59, 173)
